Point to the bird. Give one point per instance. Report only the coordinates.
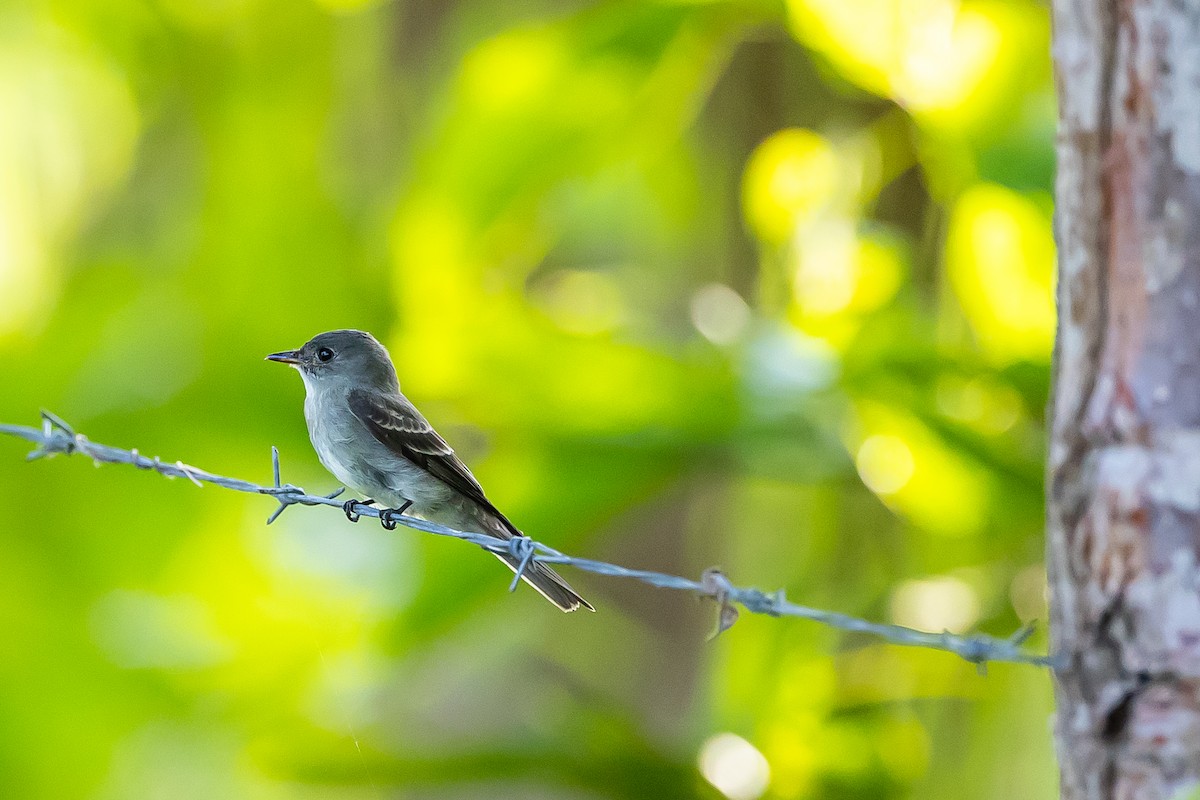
(375, 441)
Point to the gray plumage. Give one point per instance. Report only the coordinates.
(377, 443)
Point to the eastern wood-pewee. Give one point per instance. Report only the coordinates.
(375, 441)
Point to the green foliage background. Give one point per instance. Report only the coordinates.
(749, 283)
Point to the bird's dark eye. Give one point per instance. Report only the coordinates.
(324, 354)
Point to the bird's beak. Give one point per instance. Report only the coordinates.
(286, 357)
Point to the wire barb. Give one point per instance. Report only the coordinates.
(55, 436)
(716, 586)
(524, 549)
(188, 473)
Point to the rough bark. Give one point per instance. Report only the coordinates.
(1123, 479)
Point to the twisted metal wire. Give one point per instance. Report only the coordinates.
(57, 437)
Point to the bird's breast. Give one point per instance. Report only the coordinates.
(356, 458)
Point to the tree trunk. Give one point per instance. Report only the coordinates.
(1123, 483)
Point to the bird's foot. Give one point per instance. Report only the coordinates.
(386, 515)
(350, 505)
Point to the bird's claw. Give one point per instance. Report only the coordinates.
(385, 515)
(350, 505)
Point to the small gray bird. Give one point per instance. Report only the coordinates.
(375, 441)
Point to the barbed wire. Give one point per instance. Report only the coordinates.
(57, 437)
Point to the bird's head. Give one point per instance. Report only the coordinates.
(352, 358)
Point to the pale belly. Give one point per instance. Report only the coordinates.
(367, 467)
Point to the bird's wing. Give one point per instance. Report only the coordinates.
(396, 423)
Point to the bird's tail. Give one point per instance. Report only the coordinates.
(549, 584)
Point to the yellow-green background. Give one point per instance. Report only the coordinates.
(758, 284)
